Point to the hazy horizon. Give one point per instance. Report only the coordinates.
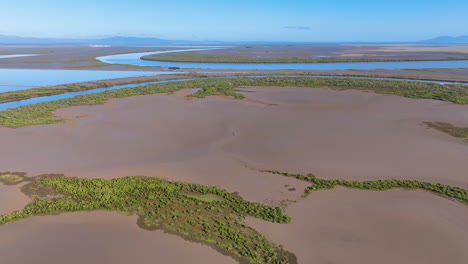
(209, 20)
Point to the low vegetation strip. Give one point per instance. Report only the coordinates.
(42, 113)
(208, 215)
(30, 93)
(447, 191)
(207, 58)
(59, 89)
(458, 132)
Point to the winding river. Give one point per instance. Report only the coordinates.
(135, 59)
(22, 79)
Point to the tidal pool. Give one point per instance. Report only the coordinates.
(16, 55)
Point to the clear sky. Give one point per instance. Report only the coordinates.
(237, 20)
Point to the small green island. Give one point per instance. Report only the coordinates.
(198, 213)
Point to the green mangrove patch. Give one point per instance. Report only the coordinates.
(12, 178)
(226, 89)
(42, 113)
(447, 191)
(454, 131)
(198, 213)
(208, 197)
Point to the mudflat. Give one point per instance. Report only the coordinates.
(352, 226)
(12, 199)
(97, 237)
(224, 142)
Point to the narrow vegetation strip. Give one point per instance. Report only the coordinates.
(454, 131)
(59, 89)
(209, 58)
(199, 213)
(447, 191)
(42, 113)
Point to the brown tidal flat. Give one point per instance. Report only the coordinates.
(353, 226)
(12, 199)
(220, 141)
(97, 237)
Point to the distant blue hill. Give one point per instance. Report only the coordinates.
(448, 39)
(4, 39)
(11, 40)
(131, 40)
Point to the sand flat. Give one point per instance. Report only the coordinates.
(353, 226)
(215, 141)
(353, 135)
(97, 237)
(309, 130)
(220, 141)
(12, 199)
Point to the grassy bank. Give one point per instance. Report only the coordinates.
(447, 191)
(357, 73)
(207, 58)
(42, 113)
(199, 213)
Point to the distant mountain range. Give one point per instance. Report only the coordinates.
(5, 39)
(448, 39)
(16, 40)
(132, 40)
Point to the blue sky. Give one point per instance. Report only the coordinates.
(237, 20)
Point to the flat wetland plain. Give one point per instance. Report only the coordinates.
(228, 143)
(76, 57)
(320, 52)
(224, 142)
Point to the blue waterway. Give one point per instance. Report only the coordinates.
(49, 98)
(20, 79)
